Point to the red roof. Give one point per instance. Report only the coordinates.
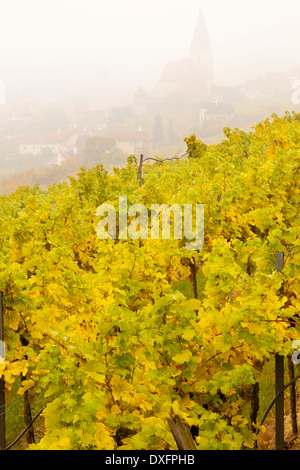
(183, 72)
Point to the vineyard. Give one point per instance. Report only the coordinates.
(117, 336)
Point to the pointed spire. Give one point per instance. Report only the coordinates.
(201, 52)
(201, 40)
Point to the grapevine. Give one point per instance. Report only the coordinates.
(100, 328)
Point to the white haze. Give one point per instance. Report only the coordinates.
(74, 69)
(117, 45)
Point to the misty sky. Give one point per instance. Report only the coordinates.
(135, 37)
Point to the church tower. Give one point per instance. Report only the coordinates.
(201, 53)
(191, 77)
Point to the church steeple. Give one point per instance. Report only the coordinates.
(201, 51)
(193, 75)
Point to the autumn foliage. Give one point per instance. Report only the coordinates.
(98, 326)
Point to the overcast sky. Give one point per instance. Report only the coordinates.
(136, 35)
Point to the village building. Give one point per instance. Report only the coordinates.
(133, 142)
(57, 142)
(212, 111)
(191, 76)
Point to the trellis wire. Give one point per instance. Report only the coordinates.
(159, 160)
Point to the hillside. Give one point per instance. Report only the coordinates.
(113, 336)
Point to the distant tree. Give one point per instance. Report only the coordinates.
(95, 148)
(44, 177)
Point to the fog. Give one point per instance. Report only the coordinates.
(127, 42)
(66, 53)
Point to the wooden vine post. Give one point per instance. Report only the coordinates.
(140, 169)
(182, 434)
(293, 397)
(279, 377)
(2, 383)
